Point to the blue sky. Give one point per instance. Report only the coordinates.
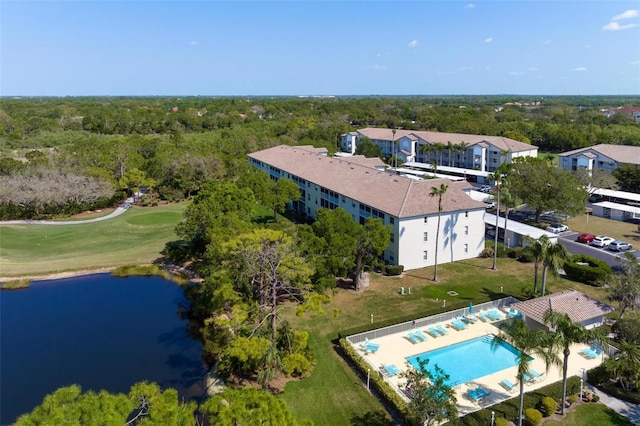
(78, 48)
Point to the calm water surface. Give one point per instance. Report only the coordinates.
(98, 331)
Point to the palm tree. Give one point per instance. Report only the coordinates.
(426, 149)
(450, 149)
(463, 149)
(517, 334)
(625, 367)
(498, 177)
(565, 333)
(552, 260)
(438, 192)
(434, 167)
(439, 147)
(536, 249)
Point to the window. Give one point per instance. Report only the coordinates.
(466, 230)
(393, 238)
(425, 237)
(466, 214)
(466, 248)
(392, 220)
(426, 219)
(391, 259)
(424, 255)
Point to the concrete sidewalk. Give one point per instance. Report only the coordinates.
(629, 410)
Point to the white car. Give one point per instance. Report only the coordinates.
(557, 228)
(601, 241)
(485, 189)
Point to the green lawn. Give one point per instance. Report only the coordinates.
(591, 415)
(600, 226)
(137, 236)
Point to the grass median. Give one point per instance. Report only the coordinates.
(137, 236)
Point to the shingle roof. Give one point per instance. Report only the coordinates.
(578, 306)
(499, 142)
(620, 153)
(395, 195)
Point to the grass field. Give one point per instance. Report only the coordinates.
(591, 415)
(600, 226)
(137, 236)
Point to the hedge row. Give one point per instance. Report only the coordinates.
(593, 272)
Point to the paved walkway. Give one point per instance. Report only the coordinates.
(629, 410)
(117, 212)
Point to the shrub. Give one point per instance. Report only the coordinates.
(573, 399)
(487, 252)
(597, 376)
(297, 364)
(627, 329)
(501, 421)
(548, 406)
(503, 251)
(532, 417)
(394, 269)
(593, 272)
(526, 257)
(515, 253)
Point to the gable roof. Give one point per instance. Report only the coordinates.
(578, 306)
(503, 144)
(620, 153)
(393, 194)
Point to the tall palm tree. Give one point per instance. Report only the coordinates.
(528, 342)
(438, 192)
(426, 150)
(536, 248)
(463, 149)
(450, 148)
(625, 367)
(498, 176)
(439, 147)
(565, 333)
(552, 260)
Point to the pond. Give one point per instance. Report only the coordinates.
(98, 331)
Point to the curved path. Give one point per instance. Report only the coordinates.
(117, 212)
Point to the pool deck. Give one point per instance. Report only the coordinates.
(396, 347)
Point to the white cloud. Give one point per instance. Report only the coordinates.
(379, 68)
(627, 14)
(413, 43)
(194, 43)
(534, 69)
(488, 40)
(470, 6)
(635, 62)
(580, 69)
(615, 26)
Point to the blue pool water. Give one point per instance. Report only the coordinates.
(469, 360)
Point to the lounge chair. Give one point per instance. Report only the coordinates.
(432, 331)
(514, 313)
(494, 314)
(484, 317)
(532, 376)
(458, 324)
(441, 329)
(506, 383)
(370, 346)
(469, 318)
(593, 352)
(473, 394)
(420, 335)
(481, 392)
(391, 369)
(414, 339)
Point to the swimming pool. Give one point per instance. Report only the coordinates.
(469, 360)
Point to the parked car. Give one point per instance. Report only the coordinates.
(557, 228)
(601, 241)
(489, 204)
(619, 246)
(484, 188)
(585, 238)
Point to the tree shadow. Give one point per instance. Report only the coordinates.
(372, 418)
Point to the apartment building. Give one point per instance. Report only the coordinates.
(363, 188)
(477, 152)
(603, 156)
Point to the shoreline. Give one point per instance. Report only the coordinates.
(59, 275)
